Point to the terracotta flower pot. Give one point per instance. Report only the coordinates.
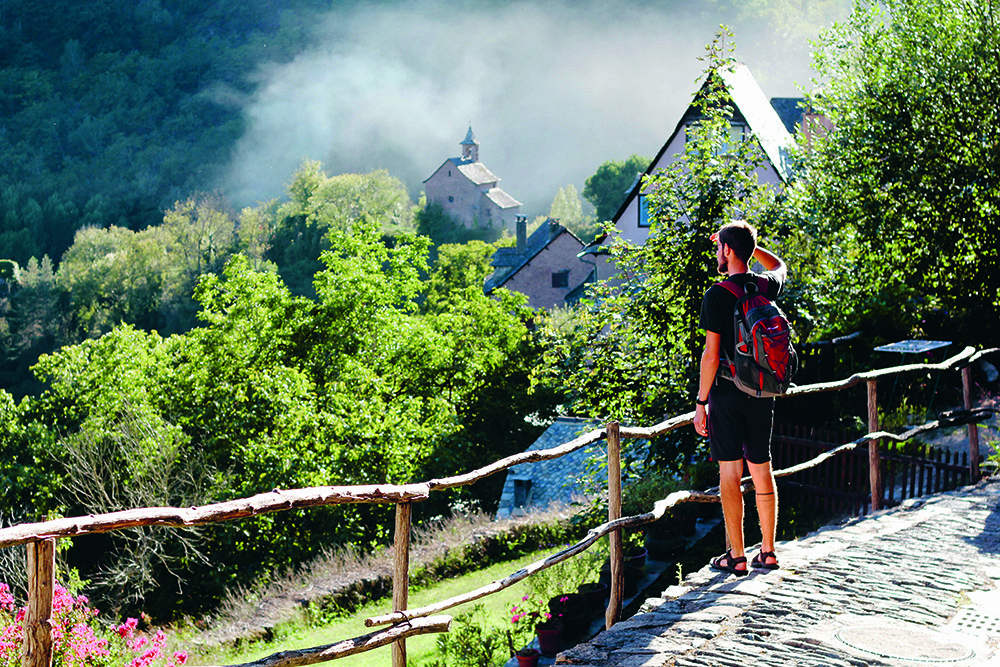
(528, 657)
(549, 637)
(594, 594)
(635, 556)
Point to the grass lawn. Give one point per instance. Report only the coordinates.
(420, 650)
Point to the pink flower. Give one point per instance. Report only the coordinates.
(6, 599)
(127, 629)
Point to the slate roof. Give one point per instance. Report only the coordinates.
(474, 171)
(501, 198)
(790, 110)
(551, 481)
(509, 260)
(470, 139)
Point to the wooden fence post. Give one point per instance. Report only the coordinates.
(38, 621)
(874, 464)
(401, 574)
(614, 611)
(972, 426)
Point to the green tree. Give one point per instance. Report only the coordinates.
(905, 189)
(632, 351)
(610, 184)
(567, 208)
(320, 205)
(459, 269)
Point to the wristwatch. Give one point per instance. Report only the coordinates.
(698, 401)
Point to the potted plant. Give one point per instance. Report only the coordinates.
(593, 594)
(528, 657)
(524, 617)
(549, 635)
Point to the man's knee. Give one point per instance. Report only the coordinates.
(763, 477)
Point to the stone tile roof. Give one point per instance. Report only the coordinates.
(790, 110)
(763, 120)
(475, 171)
(553, 481)
(756, 110)
(501, 198)
(508, 261)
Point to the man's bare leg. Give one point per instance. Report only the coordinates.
(767, 505)
(730, 474)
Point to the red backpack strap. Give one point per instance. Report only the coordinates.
(762, 286)
(733, 287)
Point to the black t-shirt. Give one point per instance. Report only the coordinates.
(717, 312)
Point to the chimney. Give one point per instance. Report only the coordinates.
(521, 224)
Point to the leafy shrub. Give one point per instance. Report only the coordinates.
(472, 642)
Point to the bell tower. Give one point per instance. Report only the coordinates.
(470, 146)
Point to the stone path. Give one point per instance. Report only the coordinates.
(915, 585)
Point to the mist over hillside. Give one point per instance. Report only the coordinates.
(552, 89)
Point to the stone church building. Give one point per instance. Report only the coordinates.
(469, 192)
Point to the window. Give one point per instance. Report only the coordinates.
(643, 211)
(736, 135)
(560, 278)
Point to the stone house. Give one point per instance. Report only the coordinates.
(772, 123)
(469, 192)
(539, 485)
(545, 266)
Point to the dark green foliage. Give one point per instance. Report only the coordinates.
(434, 223)
(112, 109)
(275, 391)
(610, 184)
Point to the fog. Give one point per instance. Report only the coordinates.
(551, 89)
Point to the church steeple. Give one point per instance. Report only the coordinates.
(470, 146)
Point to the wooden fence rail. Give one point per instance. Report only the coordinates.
(409, 622)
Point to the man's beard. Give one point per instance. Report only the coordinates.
(723, 267)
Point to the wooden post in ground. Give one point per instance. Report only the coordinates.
(614, 611)
(38, 620)
(874, 464)
(401, 574)
(973, 428)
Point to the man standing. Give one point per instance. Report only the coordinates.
(738, 425)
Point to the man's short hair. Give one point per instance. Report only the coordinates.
(741, 237)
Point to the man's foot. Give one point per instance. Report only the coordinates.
(765, 560)
(727, 562)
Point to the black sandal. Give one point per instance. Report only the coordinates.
(731, 563)
(760, 561)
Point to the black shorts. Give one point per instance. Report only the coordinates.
(739, 426)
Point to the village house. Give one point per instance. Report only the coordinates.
(544, 266)
(469, 192)
(772, 123)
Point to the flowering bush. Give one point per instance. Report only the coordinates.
(525, 616)
(78, 640)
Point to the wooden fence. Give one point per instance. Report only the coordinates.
(404, 622)
(840, 485)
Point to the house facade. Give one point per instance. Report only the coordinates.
(469, 192)
(772, 123)
(545, 266)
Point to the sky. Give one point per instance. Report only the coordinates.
(551, 89)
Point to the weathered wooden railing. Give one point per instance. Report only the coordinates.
(404, 622)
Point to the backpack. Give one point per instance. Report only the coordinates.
(765, 357)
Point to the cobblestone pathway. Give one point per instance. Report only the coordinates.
(914, 585)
